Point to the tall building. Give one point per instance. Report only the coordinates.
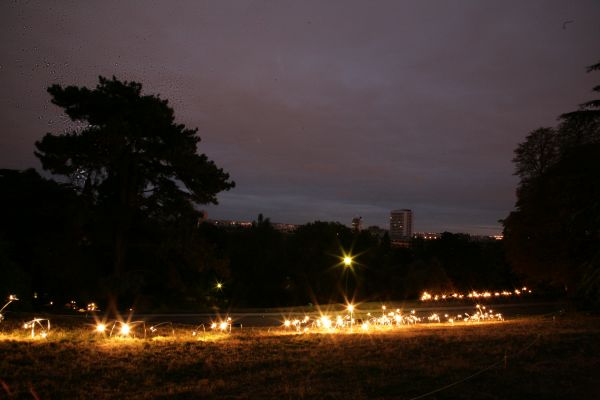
(400, 224)
(357, 224)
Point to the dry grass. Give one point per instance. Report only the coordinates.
(549, 359)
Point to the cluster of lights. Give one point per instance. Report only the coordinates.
(324, 323)
(300, 325)
(222, 325)
(390, 319)
(344, 322)
(121, 328)
(42, 325)
(126, 329)
(426, 296)
(387, 319)
(481, 314)
(72, 305)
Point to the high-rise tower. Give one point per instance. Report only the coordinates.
(400, 224)
(357, 224)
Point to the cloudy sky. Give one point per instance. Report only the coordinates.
(321, 109)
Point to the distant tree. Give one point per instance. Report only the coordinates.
(536, 154)
(129, 159)
(582, 126)
(554, 233)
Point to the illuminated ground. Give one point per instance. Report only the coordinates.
(551, 357)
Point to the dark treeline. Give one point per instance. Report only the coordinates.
(269, 268)
(54, 245)
(553, 235)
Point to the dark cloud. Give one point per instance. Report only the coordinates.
(321, 110)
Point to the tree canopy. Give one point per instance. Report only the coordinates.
(128, 150)
(554, 232)
(139, 175)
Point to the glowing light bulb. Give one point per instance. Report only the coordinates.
(100, 328)
(326, 322)
(125, 329)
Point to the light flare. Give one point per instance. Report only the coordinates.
(125, 329)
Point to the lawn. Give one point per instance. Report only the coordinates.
(551, 357)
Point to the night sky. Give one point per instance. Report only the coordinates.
(321, 109)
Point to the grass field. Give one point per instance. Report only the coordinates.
(533, 358)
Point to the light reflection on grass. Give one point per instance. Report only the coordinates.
(275, 363)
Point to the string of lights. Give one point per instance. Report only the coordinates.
(474, 294)
(387, 320)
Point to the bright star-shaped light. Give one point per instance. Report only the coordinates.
(125, 329)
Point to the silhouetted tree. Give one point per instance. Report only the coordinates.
(129, 159)
(554, 233)
(536, 154)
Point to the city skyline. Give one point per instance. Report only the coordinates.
(355, 224)
(321, 111)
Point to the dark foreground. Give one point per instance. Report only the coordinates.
(536, 358)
